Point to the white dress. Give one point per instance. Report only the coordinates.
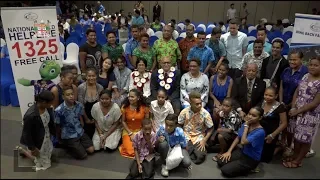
(43, 162)
(105, 123)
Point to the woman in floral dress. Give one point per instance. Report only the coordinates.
(194, 80)
(306, 107)
(145, 51)
(38, 125)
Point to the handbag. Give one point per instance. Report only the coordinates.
(269, 81)
(174, 157)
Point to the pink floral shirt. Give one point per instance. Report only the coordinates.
(141, 145)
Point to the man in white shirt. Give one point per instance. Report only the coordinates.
(236, 44)
(231, 13)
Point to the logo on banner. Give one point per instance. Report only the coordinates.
(42, 29)
(31, 16)
(315, 27)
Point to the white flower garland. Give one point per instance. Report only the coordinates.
(163, 83)
(140, 81)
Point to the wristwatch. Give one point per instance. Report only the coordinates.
(246, 125)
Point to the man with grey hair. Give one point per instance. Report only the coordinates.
(248, 90)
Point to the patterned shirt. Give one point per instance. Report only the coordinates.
(137, 21)
(113, 52)
(205, 55)
(141, 145)
(217, 47)
(148, 56)
(233, 121)
(266, 47)
(130, 46)
(185, 46)
(291, 81)
(189, 84)
(170, 48)
(41, 85)
(195, 125)
(177, 137)
(249, 57)
(69, 120)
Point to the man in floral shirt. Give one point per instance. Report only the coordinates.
(198, 126)
(255, 56)
(166, 46)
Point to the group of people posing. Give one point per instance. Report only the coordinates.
(146, 101)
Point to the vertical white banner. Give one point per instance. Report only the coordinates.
(33, 42)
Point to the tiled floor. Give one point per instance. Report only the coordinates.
(112, 165)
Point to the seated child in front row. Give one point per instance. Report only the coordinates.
(171, 135)
(69, 125)
(230, 122)
(159, 109)
(144, 144)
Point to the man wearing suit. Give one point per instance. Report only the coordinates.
(156, 11)
(248, 90)
(161, 79)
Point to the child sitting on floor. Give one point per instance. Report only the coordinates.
(144, 144)
(169, 136)
(230, 122)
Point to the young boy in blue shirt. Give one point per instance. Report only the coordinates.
(69, 125)
(171, 135)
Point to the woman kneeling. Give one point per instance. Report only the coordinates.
(237, 162)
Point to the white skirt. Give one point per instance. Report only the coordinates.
(111, 142)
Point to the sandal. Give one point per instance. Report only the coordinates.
(215, 158)
(291, 164)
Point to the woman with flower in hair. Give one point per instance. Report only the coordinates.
(140, 79)
(167, 78)
(133, 112)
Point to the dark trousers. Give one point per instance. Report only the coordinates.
(239, 164)
(176, 105)
(163, 148)
(147, 169)
(195, 154)
(235, 73)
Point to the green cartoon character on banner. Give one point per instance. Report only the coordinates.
(48, 71)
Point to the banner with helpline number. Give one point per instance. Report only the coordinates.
(33, 42)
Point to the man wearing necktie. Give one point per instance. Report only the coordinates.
(248, 90)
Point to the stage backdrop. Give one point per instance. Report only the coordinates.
(306, 35)
(32, 38)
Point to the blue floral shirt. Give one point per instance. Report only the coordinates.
(205, 55)
(177, 137)
(218, 48)
(69, 120)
